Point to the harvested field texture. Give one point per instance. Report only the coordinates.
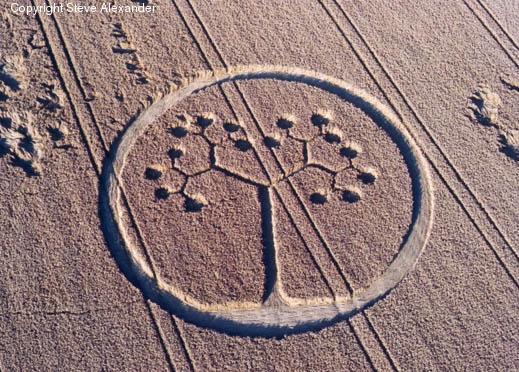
(278, 185)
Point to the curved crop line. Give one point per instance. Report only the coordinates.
(247, 318)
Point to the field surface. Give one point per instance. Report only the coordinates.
(261, 185)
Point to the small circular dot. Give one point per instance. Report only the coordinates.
(351, 195)
(231, 127)
(205, 120)
(351, 151)
(333, 135)
(285, 123)
(179, 131)
(318, 198)
(272, 142)
(368, 177)
(154, 172)
(243, 145)
(195, 203)
(320, 119)
(163, 193)
(175, 153)
(332, 138)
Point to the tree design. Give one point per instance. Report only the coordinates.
(213, 134)
(235, 134)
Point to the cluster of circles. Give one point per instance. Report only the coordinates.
(235, 133)
(347, 149)
(195, 125)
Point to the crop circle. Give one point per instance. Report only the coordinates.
(277, 318)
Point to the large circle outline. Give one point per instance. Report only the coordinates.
(255, 320)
